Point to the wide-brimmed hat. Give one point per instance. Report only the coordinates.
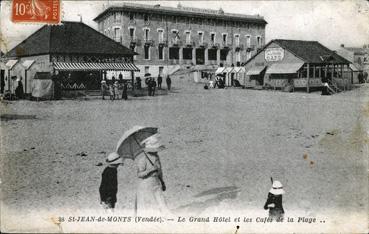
(277, 188)
(114, 158)
(152, 144)
(103, 81)
(147, 75)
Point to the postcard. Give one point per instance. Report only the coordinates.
(184, 116)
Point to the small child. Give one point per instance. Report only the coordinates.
(274, 201)
(109, 182)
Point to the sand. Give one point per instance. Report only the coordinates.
(222, 148)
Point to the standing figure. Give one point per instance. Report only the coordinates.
(169, 82)
(111, 92)
(138, 82)
(160, 80)
(124, 92)
(149, 198)
(19, 92)
(116, 89)
(274, 201)
(104, 88)
(109, 182)
(153, 86)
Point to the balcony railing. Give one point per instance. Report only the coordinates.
(132, 22)
(149, 42)
(176, 42)
(135, 41)
(226, 44)
(239, 47)
(146, 23)
(163, 43)
(203, 44)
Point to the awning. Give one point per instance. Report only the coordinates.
(61, 66)
(255, 70)
(284, 68)
(228, 69)
(28, 63)
(10, 64)
(219, 70)
(353, 67)
(239, 69)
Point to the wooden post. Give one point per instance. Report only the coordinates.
(133, 80)
(308, 78)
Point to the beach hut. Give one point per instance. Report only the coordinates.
(76, 53)
(301, 64)
(229, 76)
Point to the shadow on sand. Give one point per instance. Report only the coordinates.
(216, 196)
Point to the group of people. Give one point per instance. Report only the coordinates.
(151, 83)
(218, 82)
(149, 196)
(113, 89)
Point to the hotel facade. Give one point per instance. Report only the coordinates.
(169, 38)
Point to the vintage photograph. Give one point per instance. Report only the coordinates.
(184, 116)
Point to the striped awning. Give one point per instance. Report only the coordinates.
(61, 66)
(284, 68)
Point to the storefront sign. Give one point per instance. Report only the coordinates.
(274, 54)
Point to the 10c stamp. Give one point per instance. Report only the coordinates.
(36, 11)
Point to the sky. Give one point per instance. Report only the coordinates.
(330, 22)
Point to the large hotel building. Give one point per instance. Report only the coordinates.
(168, 38)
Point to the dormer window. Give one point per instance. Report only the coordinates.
(201, 37)
(146, 17)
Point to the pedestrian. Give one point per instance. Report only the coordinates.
(365, 74)
(138, 82)
(109, 182)
(325, 89)
(116, 90)
(124, 92)
(149, 198)
(274, 201)
(360, 77)
(169, 82)
(153, 86)
(19, 92)
(160, 80)
(104, 88)
(148, 83)
(111, 92)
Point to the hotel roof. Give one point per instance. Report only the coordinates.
(182, 11)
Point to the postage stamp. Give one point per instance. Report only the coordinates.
(37, 11)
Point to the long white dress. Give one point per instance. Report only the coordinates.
(149, 197)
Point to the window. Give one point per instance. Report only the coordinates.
(188, 37)
(223, 54)
(131, 16)
(248, 41)
(201, 37)
(258, 40)
(132, 33)
(147, 51)
(212, 54)
(117, 34)
(161, 52)
(146, 30)
(238, 56)
(116, 17)
(147, 69)
(237, 40)
(173, 53)
(212, 37)
(161, 35)
(187, 53)
(175, 36)
(248, 55)
(224, 37)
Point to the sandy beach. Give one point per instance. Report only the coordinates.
(223, 145)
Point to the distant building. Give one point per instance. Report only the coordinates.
(167, 38)
(299, 64)
(358, 56)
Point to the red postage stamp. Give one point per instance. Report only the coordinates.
(38, 11)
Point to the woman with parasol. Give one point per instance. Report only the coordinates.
(142, 144)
